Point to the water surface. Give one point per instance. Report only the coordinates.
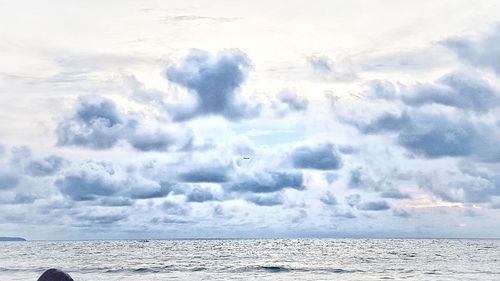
(295, 259)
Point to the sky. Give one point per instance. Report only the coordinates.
(249, 119)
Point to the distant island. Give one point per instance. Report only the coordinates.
(12, 239)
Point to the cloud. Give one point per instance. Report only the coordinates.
(373, 206)
(99, 124)
(272, 199)
(215, 81)
(394, 194)
(8, 181)
(387, 122)
(199, 195)
(459, 89)
(359, 178)
(435, 132)
(467, 186)
(92, 219)
(293, 101)
(138, 187)
(437, 135)
(343, 214)
(321, 157)
(215, 174)
(96, 124)
(91, 180)
(263, 182)
(329, 199)
(353, 199)
(95, 181)
(47, 166)
(151, 141)
(326, 68)
(381, 89)
(482, 51)
(402, 213)
(331, 177)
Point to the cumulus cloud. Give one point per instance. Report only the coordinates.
(437, 135)
(325, 68)
(440, 137)
(353, 199)
(394, 194)
(263, 182)
(321, 157)
(373, 206)
(359, 178)
(402, 213)
(482, 51)
(98, 124)
(93, 180)
(8, 181)
(469, 186)
(92, 219)
(215, 81)
(459, 89)
(329, 199)
(381, 89)
(47, 166)
(271, 199)
(293, 101)
(199, 194)
(214, 174)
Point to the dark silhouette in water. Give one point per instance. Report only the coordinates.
(55, 275)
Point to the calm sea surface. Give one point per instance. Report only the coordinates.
(301, 259)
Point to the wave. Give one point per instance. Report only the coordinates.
(282, 269)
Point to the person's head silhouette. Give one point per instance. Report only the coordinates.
(55, 275)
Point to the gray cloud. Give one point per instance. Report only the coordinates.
(353, 199)
(437, 135)
(267, 182)
(373, 206)
(94, 181)
(329, 199)
(394, 194)
(293, 101)
(402, 213)
(47, 166)
(327, 69)
(470, 186)
(387, 122)
(91, 181)
(199, 194)
(151, 141)
(215, 174)
(459, 89)
(272, 199)
(381, 89)
(141, 188)
(483, 51)
(331, 177)
(99, 219)
(8, 181)
(215, 81)
(360, 179)
(98, 124)
(321, 157)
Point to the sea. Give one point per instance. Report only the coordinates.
(255, 259)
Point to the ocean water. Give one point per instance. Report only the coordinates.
(294, 259)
